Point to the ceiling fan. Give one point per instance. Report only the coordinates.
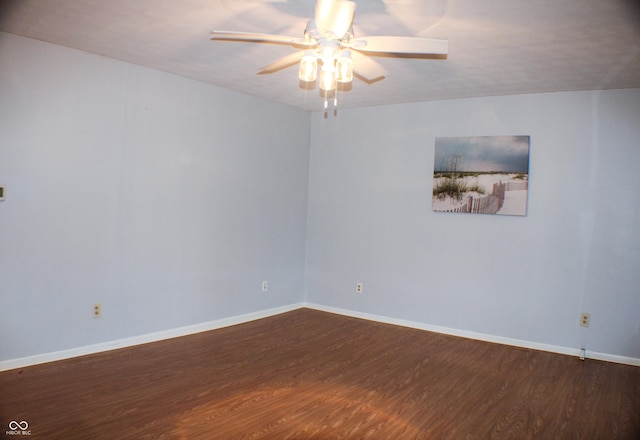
(330, 46)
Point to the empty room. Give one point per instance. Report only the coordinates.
(301, 219)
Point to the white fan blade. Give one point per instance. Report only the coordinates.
(282, 63)
(261, 38)
(366, 69)
(334, 17)
(401, 45)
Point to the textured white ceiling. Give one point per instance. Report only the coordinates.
(496, 47)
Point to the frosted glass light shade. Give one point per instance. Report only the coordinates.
(327, 77)
(344, 69)
(308, 68)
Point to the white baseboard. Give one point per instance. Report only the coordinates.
(478, 336)
(143, 339)
(239, 319)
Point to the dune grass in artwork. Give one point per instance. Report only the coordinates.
(481, 175)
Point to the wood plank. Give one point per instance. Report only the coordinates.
(313, 375)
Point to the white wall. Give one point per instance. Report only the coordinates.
(522, 278)
(166, 200)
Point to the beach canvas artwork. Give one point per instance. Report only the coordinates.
(481, 175)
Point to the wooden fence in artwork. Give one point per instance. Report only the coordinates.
(515, 186)
(492, 203)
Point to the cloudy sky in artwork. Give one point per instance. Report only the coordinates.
(483, 154)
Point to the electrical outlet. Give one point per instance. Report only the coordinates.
(584, 319)
(358, 287)
(97, 311)
(265, 286)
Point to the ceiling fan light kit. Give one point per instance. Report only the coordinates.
(326, 56)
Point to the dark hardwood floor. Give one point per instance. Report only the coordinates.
(312, 375)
